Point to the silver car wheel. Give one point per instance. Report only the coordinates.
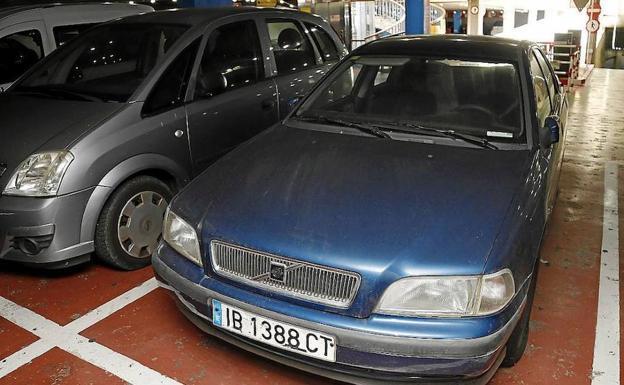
(140, 224)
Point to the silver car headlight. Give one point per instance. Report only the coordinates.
(448, 296)
(40, 175)
(181, 236)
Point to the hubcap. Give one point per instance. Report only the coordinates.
(140, 224)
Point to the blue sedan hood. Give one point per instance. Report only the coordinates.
(383, 208)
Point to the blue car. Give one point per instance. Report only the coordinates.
(389, 229)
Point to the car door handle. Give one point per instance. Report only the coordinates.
(268, 104)
(178, 133)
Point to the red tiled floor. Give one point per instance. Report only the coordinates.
(58, 367)
(63, 296)
(561, 341)
(13, 338)
(621, 248)
(153, 332)
(562, 325)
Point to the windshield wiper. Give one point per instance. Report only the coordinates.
(377, 129)
(370, 129)
(477, 141)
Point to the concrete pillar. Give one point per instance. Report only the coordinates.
(509, 16)
(204, 3)
(532, 15)
(475, 18)
(415, 17)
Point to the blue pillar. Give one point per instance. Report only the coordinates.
(457, 21)
(204, 3)
(414, 17)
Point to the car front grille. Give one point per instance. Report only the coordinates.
(299, 279)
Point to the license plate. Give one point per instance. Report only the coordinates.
(278, 334)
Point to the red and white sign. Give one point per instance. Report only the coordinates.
(594, 9)
(592, 26)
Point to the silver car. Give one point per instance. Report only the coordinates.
(99, 136)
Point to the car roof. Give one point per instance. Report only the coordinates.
(451, 45)
(197, 16)
(6, 11)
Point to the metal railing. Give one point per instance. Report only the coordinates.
(392, 14)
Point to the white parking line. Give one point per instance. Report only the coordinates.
(606, 366)
(98, 314)
(67, 338)
(24, 356)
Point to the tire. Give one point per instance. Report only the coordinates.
(517, 342)
(130, 224)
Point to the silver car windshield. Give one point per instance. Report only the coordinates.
(474, 97)
(106, 63)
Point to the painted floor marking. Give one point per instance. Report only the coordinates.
(606, 365)
(67, 338)
(110, 307)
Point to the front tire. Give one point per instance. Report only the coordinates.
(518, 340)
(130, 225)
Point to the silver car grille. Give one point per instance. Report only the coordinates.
(300, 279)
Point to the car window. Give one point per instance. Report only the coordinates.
(548, 76)
(541, 91)
(293, 52)
(170, 89)
(232, 58)
(18, 52)
(65, 33)
(325, 44)
(107, 62)
(476, 97)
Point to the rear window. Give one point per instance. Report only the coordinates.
(291, 49)
(324, 42)
(65, 33)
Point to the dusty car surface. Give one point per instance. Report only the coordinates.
(389, 229)
(99, 136)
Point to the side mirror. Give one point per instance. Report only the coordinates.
(550, 133)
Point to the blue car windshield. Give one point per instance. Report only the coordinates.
(107, 63)
(475, 97)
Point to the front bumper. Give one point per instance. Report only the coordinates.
(362, 357)
(44, 231)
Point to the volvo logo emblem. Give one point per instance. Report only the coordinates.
(277, 272)
(3, 168)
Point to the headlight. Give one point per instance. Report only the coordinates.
(181, 236)
(40, 174)
(448, 296)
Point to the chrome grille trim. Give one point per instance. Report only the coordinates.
(303, 280)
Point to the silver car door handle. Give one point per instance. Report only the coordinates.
(178, 133)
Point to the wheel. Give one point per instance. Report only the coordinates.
(130, 225)
(518, 340)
